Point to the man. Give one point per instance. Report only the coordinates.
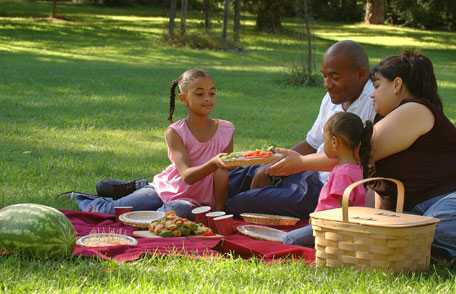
(345, 70)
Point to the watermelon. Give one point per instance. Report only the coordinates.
(36, 230)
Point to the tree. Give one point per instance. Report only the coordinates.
(207, 23)
(172, 18)
(184, 9)
(225, 18)
(237, 21)
(375, 12)
(54, 9)
(302, 71)
(269, 15)
(309, 38)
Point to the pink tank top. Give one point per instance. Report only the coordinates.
(169, 185)
(340, 178)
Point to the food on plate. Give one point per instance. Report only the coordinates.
(105, 240)
(257, 155)
(173, 226)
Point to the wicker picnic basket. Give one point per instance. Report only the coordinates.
(365, 237)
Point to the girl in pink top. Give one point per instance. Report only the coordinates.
(196, 175)
(348, 141)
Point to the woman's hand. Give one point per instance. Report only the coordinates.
(290, 164)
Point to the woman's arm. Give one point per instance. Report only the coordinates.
(399, 129)
(179, 153)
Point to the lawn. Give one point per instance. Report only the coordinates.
(87, 98)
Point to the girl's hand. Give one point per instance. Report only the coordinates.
(290, 164)
(218, 161)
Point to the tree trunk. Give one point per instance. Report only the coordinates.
(375, 12)
(309, 38)
(207, 22)
(172, 19)
(226, 8)
(269, 16)
(54, 9)
(237, 21)
(184, 6)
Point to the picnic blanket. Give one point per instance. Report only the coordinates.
(88, 222)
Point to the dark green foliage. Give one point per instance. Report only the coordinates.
(429, 14)
(338, 10)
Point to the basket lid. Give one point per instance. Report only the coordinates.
(374, 217)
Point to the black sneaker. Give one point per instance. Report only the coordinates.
(73, 194)
(115, 189)
(140, 183)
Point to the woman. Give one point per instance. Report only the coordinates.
(415, 142)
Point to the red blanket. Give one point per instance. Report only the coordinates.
(244, 246)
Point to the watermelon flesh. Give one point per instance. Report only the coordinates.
(37, 230)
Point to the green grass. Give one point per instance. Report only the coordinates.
(87, 99)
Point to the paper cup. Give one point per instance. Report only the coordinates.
(224, 224)
(122, 209)
(210, 218)
(199, 214)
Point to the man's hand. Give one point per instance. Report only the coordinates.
(260, 179)
(288, 165)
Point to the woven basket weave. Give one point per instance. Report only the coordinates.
(269, 219)
(373, 238)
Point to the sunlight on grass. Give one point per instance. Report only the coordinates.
(393, 36)
(88, 98)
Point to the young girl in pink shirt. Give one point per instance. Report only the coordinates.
(348, 141)
(196, 175)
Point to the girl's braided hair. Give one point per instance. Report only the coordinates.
(180, 85)
(350, 128)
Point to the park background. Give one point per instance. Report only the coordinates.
(84, 96)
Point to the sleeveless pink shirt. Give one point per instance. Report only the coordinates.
(169, 185)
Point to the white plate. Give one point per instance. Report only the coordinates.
(105, 240)
(261, 232)
(141, 219)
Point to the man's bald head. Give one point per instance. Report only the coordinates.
(345, 70)
(351, 50)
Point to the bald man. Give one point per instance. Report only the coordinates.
(283, 188)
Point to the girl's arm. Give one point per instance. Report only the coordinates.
(179, 153)
(229, 148)
(398, 130)
(295, 163)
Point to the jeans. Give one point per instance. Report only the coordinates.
(444, 208)
(295, 195)
(142, 199)
(302, 236)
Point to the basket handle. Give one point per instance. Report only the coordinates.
(349, 189)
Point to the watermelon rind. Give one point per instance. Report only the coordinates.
(37, 230)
